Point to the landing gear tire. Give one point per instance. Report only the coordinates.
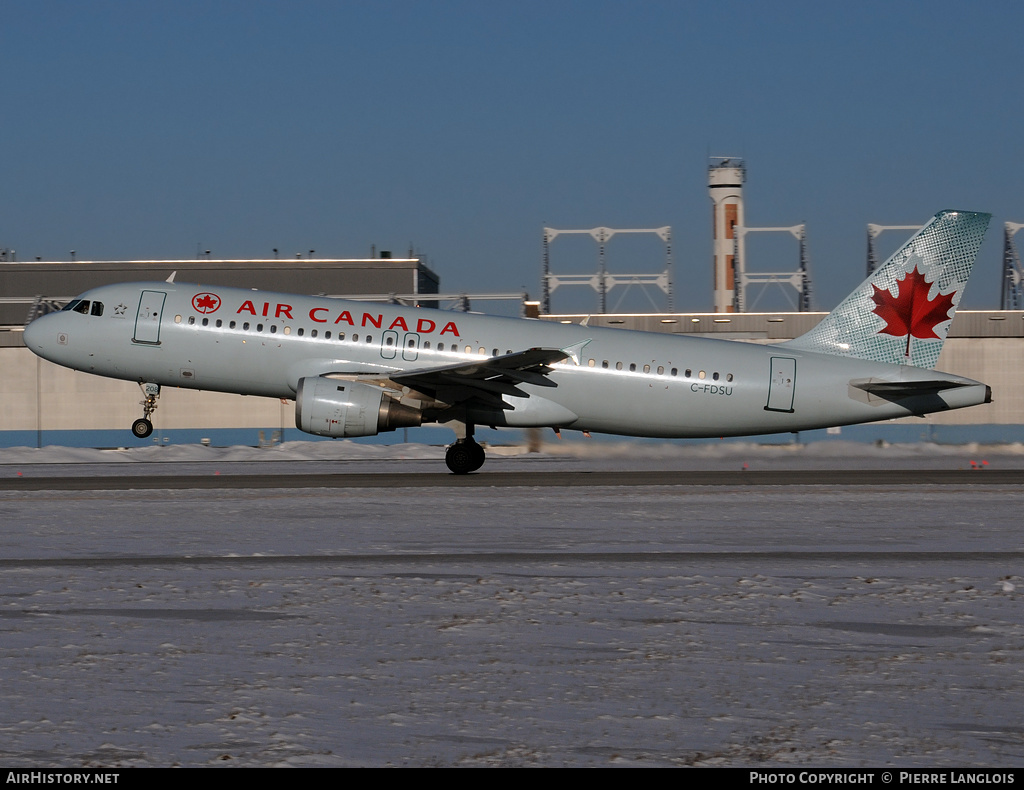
(479, 456)
(142, 428)
(464, 457)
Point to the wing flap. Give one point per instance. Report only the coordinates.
(487, 379)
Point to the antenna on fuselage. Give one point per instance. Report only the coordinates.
(171, 278)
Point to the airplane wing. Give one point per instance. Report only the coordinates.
(485, 380)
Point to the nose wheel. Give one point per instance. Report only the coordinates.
(143, 426)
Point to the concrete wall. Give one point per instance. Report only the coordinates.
(996, 361)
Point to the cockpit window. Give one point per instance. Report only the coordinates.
(83, 306)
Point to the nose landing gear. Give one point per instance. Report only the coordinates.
(143, 426)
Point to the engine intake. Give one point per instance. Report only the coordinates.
(331, 407)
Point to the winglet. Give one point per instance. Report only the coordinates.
(901, 313)
(574, 350)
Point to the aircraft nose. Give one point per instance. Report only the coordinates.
(37, 335)
(32, 334)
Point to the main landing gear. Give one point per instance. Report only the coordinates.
(143, 426)
(465, 455)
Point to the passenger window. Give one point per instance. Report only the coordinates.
(219, 323)
(688, 373)
(647, 368)
(259, 327)
(591, 362)
(177, 319)
(728, 377)
(369, 338)
(426, 345)
(191, 320)
(661, 369)
(618, 366)
(702, 375)
(327, 335)
(675, 371)
(355, 338)
(494, 353)
(206, 322)
(341, 336)
(273, 329)
(287, 330)
(245, 327)
(312, 333)
(715, 375)
(604, 364)
(389, 342)
(302, 331)
(632, 367)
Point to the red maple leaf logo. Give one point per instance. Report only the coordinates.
(206, 303)
(911, 313)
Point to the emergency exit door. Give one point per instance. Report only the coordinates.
(782, 385)
(147, 321)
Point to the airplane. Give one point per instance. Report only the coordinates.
(357, 368)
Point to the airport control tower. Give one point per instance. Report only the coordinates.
(726, 175)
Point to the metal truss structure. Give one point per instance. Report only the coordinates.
(1012, 296)
(799, 280)
(601, 281)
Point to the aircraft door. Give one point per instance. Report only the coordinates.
(147, 320)
(389, 344)
(411, 347)
(782, 385)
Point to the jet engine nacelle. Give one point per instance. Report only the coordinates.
(332, 407)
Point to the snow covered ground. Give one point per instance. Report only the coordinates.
(773, 626)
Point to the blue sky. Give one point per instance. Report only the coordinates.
(149, 130)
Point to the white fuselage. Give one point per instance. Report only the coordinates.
(633, 383)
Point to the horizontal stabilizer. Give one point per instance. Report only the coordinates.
(914, 395)
(894, 390)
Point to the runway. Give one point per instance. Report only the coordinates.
(525, 479)
(432, 562)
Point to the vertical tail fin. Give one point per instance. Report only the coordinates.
(901, 313)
